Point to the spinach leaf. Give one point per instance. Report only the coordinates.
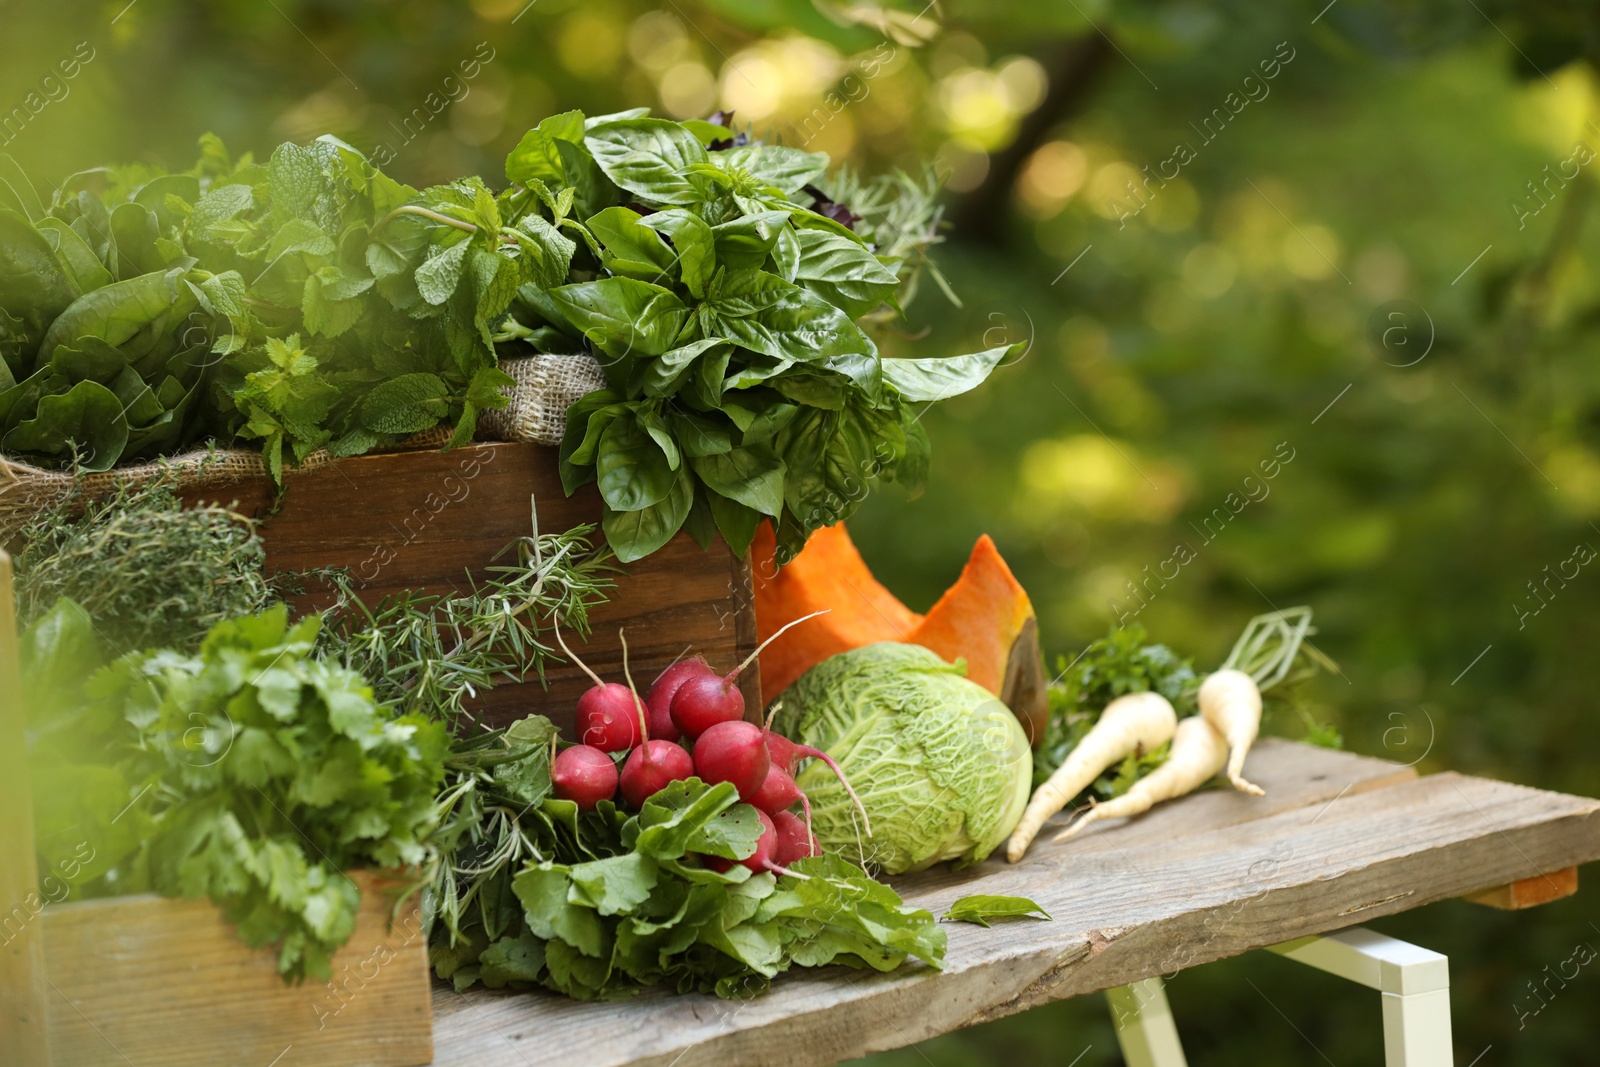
(84, 425)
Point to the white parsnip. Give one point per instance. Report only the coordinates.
(1137, 722)
(1198, 752)
(1231, 701)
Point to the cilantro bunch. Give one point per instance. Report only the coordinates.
(604, 904)
(250, 772)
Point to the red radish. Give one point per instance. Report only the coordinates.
(651, 767)
(778, 792)
(583, 774)
(760, 860)
(733, 752)
(703, 700)
(658, 702)
(795, 839)
(609, 715)
(787, 754)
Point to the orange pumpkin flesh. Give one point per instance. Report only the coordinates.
(986, 619)
(978, 619)
(827, 573)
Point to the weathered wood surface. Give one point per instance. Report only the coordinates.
(1339, 839)
(155, 982)
(23, 1032)
(424, 519)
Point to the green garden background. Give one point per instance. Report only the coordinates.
(1352, 244)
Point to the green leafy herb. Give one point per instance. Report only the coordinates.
(603, 904)
(148, 570)
(256, 775)
(981, 907)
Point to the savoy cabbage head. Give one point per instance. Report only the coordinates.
(941, 765)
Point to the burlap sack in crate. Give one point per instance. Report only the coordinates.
(545, 387)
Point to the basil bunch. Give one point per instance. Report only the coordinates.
(720, 289)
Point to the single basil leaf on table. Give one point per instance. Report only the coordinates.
(939, 379)
(982, 907)
(696, 249)
(842, 271)
(647, 157)
(631, 467)
(752, 475)
(85, 423)
(633, 535)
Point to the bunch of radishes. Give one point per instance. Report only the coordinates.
(691, 705)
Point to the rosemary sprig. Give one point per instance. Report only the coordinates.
(433, 654)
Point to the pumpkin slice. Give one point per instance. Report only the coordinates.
(987, 619)
(827, 573)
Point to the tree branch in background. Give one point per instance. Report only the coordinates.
(980, 215)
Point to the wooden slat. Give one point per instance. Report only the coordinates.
(1529, 892)
(1150, 897)
(145, 980)
(424, 519)
(22, 975)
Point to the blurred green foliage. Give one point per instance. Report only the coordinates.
(1373, 275)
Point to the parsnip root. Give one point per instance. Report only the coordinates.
(1137, 722)
(1231, 702)
(1198, 753)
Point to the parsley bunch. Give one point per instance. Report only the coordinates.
(604, 904)
(250, 772)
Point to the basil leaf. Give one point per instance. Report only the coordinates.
(647, 157)
(701, 435)
(536, 158)
(656, 426)
(736, 523)
(86, 423)
(789, 169)
(695, 244)
(633, 535)
(625, 237)
(841, 271)
(758, 416)
(766, 314)
(744, 243)
(630, 466)
(752, 475)
(623, 316)
(586, 421)
(981, 907)
(700, 524)
(939, 379)
(664, 375)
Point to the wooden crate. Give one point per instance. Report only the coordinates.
(147, 980)
(425, 519)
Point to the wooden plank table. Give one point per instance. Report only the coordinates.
(1338, 839)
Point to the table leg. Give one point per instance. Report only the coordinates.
(1145, 1030)
(1414, 981)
